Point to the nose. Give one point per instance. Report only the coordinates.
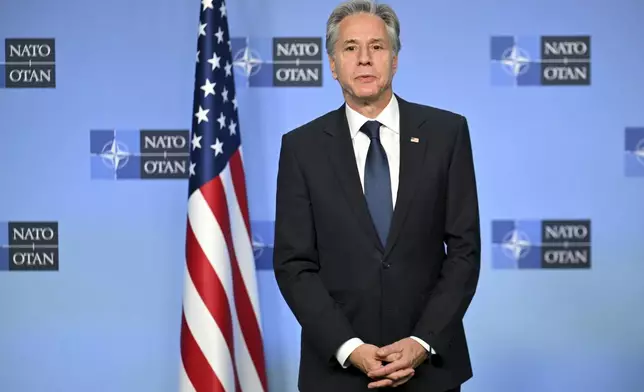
(364, 56)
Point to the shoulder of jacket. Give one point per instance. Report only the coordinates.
(315, 125)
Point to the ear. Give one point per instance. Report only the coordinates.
(394, 64)
(332, 64)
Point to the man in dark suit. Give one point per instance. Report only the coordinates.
(377, 242)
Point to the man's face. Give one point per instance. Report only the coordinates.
(364, 63)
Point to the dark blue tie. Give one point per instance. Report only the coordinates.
(377, 183)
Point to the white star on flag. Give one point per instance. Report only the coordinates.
(196, 141)
(206, 4)
(214, 61)
(218, 147)
(225, 94)
(208, 88)
(221, 120)
(202, 114)
(220, 35)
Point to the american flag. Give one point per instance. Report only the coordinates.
(221, 337)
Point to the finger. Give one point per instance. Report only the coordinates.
(385, 382)
(391, 357)
(371, 365)
(401, 381)
(400, 374)
(390, 368)
(390, 349)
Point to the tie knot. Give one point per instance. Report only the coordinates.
(372, 129)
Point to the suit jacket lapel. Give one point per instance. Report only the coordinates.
(413, 145)
(342, 158)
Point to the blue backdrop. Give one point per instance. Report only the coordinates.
(109, 318)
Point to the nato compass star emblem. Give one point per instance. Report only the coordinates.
(516, 245)
(515, 61)
(247, 61)
(115, 155)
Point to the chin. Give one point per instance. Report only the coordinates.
(366, 93)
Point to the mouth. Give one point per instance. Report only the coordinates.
(366, 78)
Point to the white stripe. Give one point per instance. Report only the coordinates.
(184, 382)
(208, 233)
(211, 239)
(248, 375)
(208, 336)
(242, 242)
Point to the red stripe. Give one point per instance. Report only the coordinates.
(215, 195)
(250, 326)
(211, 291)
(252, 332)
(209, 287)
(239, 183)
(197, 368)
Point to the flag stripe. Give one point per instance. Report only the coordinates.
(248, 376)
(211, 291)
(209, 287)
(217, 200)
(241, 232)
(212, 344)
(237, 171)
(246, 262)
(196, 365)
(209, 247)
(184, 382)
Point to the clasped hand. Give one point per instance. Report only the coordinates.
(400, 361)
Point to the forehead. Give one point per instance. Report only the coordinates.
(362, 27)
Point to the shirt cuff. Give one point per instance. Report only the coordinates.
(346, 349)
(424, 344)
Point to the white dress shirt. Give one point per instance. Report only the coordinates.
(390, 139)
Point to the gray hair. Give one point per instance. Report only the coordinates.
(384, 11)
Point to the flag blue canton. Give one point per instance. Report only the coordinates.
(215, 131)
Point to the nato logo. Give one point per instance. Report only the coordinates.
(634, 152)
(28, 246)
(541, 244)
(139, 154)
(28, 63)
(263, 236)
(540, 61)
(278, 62)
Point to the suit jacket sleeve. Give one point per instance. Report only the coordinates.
(296, 263)
(457, 283)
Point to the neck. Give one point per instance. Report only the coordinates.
(369, 108)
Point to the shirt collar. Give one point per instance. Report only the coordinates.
(389, 117)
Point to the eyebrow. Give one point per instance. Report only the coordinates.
(354, 41)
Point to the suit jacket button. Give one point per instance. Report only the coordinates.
(386, 265)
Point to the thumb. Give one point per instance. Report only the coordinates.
(387, 350)
(392, 357)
